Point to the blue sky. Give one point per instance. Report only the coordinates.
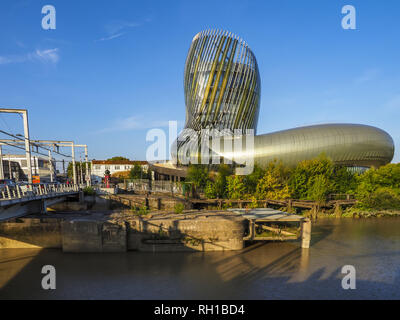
(114, 69)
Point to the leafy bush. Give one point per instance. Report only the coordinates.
(140, 211)
(252, 179)
(318, 189)
(137, 173)
(179, 207)
(216, 184)
(304, 175)
(379, 188)
(381, 198)
(220, 182)
(236, 187)
(311, 179)
(254, 203)
(210, 191)
(198, 175)
(89, 191)
(274, 183)
(343, 181)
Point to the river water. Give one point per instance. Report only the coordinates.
(261, 271)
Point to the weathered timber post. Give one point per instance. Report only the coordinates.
(338, 210)
(314, 212)
(306, 233)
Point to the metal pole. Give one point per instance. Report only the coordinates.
(1, 164)
(73, 163)
(27, 145)
(80, 165)
(51, 167)
(88, 182)
(9, 167)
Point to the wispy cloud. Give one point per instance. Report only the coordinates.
(111, 37)
(47, 56)
(367, 75)
(133, 123)
(116, 28)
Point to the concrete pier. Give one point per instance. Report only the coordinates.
(120, 232)
(155, 232)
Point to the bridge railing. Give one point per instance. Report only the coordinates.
(33, 190)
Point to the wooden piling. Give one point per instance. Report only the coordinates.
(306, 234)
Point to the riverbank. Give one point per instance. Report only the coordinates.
(359, 213)
(169, 203)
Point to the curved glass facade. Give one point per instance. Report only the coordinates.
(222, 91)
(221, 83)
(351, 145)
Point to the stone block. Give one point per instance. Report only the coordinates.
(114, 237)
(82, 235)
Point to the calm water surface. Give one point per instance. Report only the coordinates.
(261, 271)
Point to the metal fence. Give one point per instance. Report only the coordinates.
(145, 185)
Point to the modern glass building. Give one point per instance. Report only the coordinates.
(222, 91)
(222, 83)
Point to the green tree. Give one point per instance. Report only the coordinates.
(198, 175)
(136, 172)
(307, 172)
(253, 178)
(318, 188)
(236, 187)
(274, 183)
(220, 183)
(343, 180)
(379, 188)
(381, 198)
(210, 191)
(70, 172)
(118, 158)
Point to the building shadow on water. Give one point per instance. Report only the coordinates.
(260, 271)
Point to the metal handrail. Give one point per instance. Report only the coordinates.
(17, 192)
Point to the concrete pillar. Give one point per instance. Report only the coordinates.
(81, 197)
(43, 206)
(27, 145)
(306, 234)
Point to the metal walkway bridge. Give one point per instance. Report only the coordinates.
(19, 201)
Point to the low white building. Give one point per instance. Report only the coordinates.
(99, 167)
